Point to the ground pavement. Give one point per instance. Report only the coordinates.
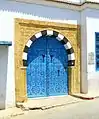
(83, 110)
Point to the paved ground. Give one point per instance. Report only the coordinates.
(8, 113)
(49, 102)
(82, 110)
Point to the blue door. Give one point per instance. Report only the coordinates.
(36, 70)
(47, 68)
(57, 68)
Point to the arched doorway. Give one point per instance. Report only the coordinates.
(47, 60)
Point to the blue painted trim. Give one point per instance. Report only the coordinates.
(7, 43)
(95, 51)
(97, 68)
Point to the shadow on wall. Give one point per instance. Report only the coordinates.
(3, 75)
(40, 11)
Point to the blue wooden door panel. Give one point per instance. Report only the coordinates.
(47, 68)
(57, 68)
(36, 70)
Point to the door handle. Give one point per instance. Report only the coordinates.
(58, 72)
(43, 57)
(51, 57)
(65, 68)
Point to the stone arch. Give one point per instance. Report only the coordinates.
(59, 37)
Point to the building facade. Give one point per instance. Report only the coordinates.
(48, 48)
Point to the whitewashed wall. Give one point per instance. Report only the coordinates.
(89, 75)
(3, 75)
(11, 10)
(92, 27)
(81, 1)
(93, 1)
(76, 1)
(72, 1)
(84, 81)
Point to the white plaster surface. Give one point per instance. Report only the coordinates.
(71, 1)
(84, 82)
(71, 57)
(89, 75)
(3, 75)
(79, 1)
(38, 35)
(29, 43)
(24, 56)
(93, 1)
(49, 32)
(67, 45)
(10, 92)
(92, 27)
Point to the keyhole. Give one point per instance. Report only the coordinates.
(58, 72)
(51, 57)
(65, 68)
(43, 57)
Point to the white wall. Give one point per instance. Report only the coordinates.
(92, 27)
(84, 82)
(93, 1)
(11, 10)
(73, 1)
(3, 75)
(89, 75)
(70, 1)
(82, 1)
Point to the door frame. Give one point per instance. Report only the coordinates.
(24, 29)
(61, 38)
